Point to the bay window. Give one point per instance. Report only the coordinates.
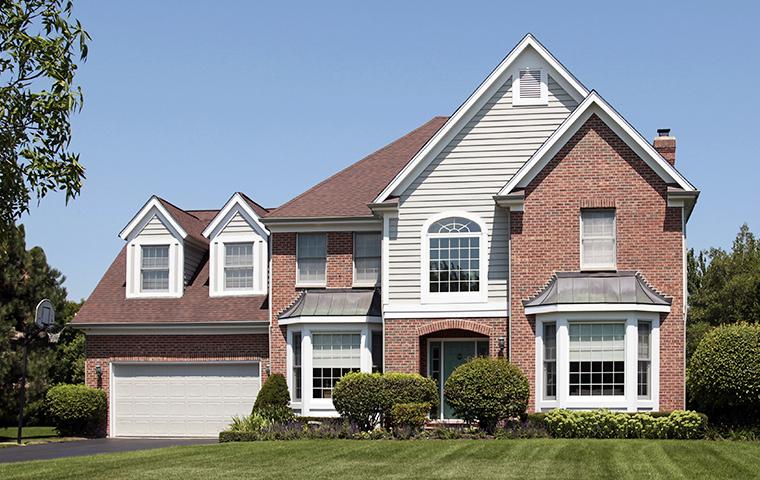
(597, 360)
(297, 361)
(333, 355)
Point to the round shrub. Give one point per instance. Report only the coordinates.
(77, 410)
(361, 398)
(273, 400)
(409, 418)
(410, 388)
(723, 378)
(488, 390)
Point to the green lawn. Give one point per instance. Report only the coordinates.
(470, 459)
(8, 434)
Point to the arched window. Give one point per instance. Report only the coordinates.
(454, 245)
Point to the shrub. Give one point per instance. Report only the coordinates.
(678, 424)
(409, 418)
(361, 398)
(410, 388)
(77, 409)
(488, 390)
(273, 400)
(253, 423)
(723, 377)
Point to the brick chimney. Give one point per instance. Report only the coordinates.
(666, 145)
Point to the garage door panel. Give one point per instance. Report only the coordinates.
(181, 399)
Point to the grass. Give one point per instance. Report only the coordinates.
(8, 434)
(345, 459)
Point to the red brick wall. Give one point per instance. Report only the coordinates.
(104, 349)
(340, 270)
(402, 338)
(596, 168)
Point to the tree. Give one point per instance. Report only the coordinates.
(724, 287)
(25, 279)
(39, 43)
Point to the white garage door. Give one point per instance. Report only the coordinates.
(180, 400)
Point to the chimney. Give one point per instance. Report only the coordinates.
(666, 145)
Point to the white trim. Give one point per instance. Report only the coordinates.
(176, 266)
(234, 204)
(595, 104)
(152, 205)
(596, 307)
(116, 363)
(210, 328)
(481, 296)
(630, 401)
(446, 310)
(332, 320)
(475, 101)
(517, 98)
(217, 252)
(385, 259)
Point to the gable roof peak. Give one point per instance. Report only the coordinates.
(251, 211)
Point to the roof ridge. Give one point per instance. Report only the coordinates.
(249, 199)
(178, 208)
(361, 161)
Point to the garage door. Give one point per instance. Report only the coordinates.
(180, 400)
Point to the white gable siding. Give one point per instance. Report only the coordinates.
(238, 224)
(465, 176)
(154, 227)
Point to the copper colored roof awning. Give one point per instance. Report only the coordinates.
(337, 302)
(608, 288)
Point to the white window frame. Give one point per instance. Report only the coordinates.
(252, 266)
(134, 267)
(143, 269)
(323, 407)
(517, 99)
(426, 296)
(302, 283)
(599, 267)
(358, 283)
(630, 401)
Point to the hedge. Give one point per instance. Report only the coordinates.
(77, 410)
(489, 390)
(679, 424)
(723, 378)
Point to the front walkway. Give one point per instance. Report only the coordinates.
(91, 447)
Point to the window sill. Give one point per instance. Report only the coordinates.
(311, 285)
(365, 285)
(599, 268)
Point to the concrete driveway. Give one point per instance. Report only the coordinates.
(91, 447)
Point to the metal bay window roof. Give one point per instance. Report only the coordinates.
(335, 302)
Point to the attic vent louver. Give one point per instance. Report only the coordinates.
(530, 84)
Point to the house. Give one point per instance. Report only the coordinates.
(533, 224)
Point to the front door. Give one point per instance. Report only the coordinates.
(454, 354)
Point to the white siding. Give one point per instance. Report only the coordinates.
(238, 224)
(466, 175)
(193, 257)
(154, 227)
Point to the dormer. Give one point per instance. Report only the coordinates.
(238, 249)
(163, 250)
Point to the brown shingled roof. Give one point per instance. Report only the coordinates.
(193, 225)
(108, 302)
(347, 193)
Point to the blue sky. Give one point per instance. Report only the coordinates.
(194, 100)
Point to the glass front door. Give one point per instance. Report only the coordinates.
(444, 356)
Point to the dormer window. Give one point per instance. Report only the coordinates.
(238, 266)
(154, 268)
(531, 87)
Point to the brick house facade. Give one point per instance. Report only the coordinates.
(458, 239)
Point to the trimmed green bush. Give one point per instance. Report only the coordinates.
(409, 418)
(679, 424)
(253, 423)
(361, 398)
(723, 377)
(77, 410)
(273, 400)
(410, 388)
(488, 390)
